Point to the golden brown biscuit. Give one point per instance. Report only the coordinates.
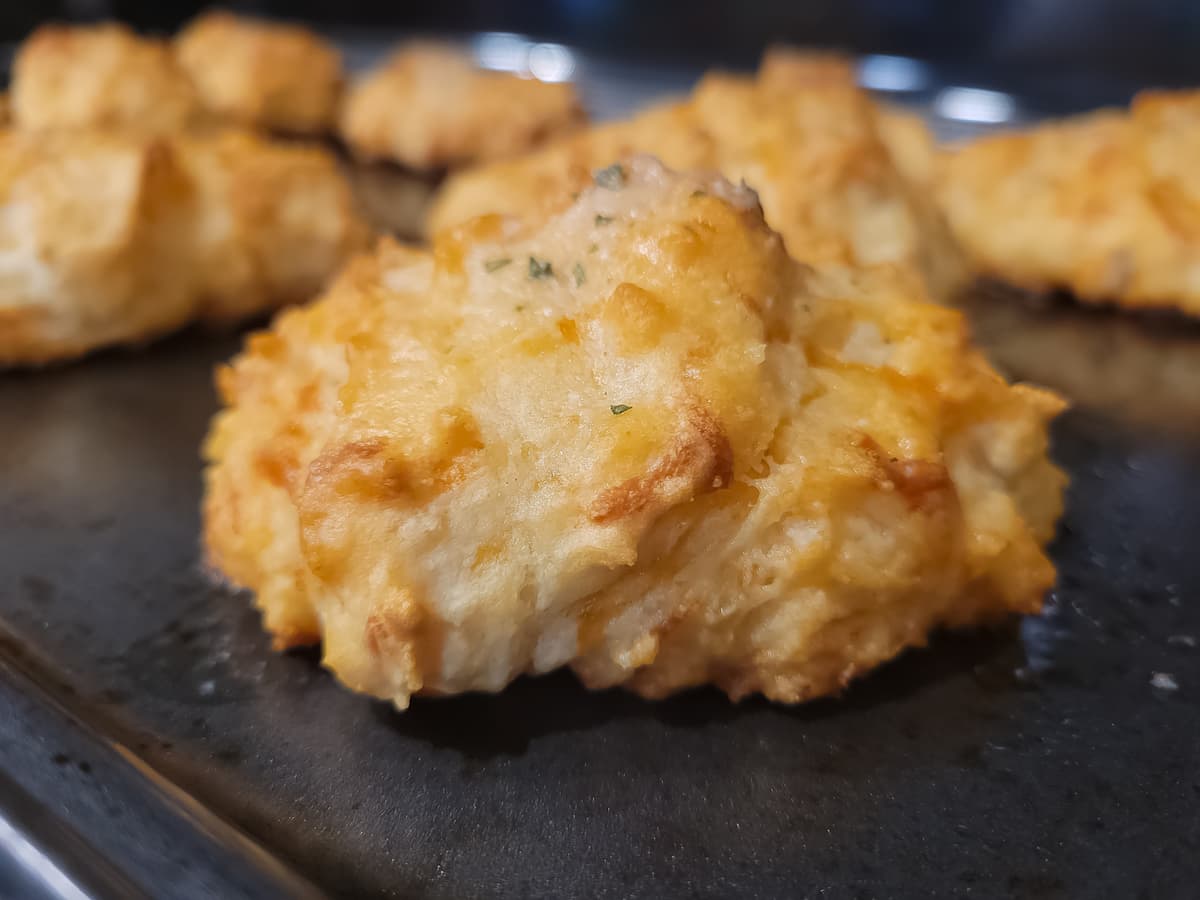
(274, 221)
(637, 440)
(99, 76)
(826, 180)
(261, 74)
(1105, 205)
(428, 107)
(912, 147)
(791, 68)
(112, 238)
(93, 231)
(904, 133)
(807, 143)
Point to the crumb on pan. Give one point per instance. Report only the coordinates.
(634, 438)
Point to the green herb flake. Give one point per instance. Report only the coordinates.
(611, 178)
(580, 275)
(540, 268)
(493, 264)
(593, 248)
(520, 307)
(699, 193)
(602, 220)
(620, 408)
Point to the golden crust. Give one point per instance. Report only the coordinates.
(99, 76)
(541, 183)
(111, 238)
(792, 68)
(428, 108)
(905, 134)
(261, 74)
(911, 145)
(826, 179)
(1105, 205)
(637, 440)
(802, 135)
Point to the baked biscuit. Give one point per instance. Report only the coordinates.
(99, 76)
(904, 133)
(1105, 205)
(273, 222)
(788, 67)
(260, 74)
(109, 237)
(827, 181)
(428, 108)
(634, 438)
(93, 233)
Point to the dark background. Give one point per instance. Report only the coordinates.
(1142, 42)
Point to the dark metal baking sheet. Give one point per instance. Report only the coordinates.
(150, 741)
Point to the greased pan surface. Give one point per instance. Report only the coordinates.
(151, 742)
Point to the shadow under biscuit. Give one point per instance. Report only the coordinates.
(394, 199)
(1139, 368)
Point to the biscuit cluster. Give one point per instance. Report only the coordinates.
(144, 184)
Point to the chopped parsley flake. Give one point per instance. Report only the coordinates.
(593, 248)
(612, 178)
(620, 408)
(699, 193)
(580, 275)
(540, 268)
(493, 264)
(603, 220)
